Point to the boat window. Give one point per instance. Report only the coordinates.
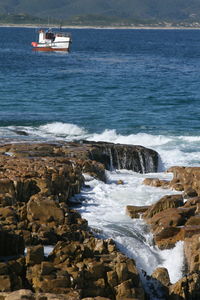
(50, 36)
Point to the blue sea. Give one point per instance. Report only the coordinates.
(137, 87)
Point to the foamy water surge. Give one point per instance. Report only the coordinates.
(104, 207)
(173, 150)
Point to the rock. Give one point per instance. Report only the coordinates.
(11, 244)
(192, 202)
(136, 158)
(35, 255)
(125, 290)
(112, 278)
(20, 295)
(192, 252)
(36, 184)
(96, 269)
(193, 221)
(44, 210)
(156, 182)
(96, 298)
(25, 294)
(190, 193)
(168, 237)
(169, 217)
(188, 177)
(94, 169)
(168, 201)
(135, 212)
(186, 288)
(5, 283)
(162, 275)
(120, 181)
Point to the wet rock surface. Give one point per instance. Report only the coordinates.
(177, 218)
(36, 183)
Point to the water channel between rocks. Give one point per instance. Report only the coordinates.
(104, 205)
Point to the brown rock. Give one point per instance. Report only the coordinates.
(44, 210)
(96, 269)
(162, 275)
(135, 212)
(120, 181)
(20, 295)
(165, 202)
(188, 177)
(125, 290)
(191, 230)
(193, 221)
(190, 193)
(156, 182)
(192, 252)
(186, 288)
(112, 278)
(35, 255)
(192, 202)
(5, 283)
(168, 237)
(168, 217)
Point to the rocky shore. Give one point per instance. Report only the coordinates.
(176, 218)
(36, 184)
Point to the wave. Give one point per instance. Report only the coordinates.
(173, 150)
(58, 128)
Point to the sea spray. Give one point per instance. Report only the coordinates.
(104, 208)
(173, 150)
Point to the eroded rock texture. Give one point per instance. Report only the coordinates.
(177, 218)
(36, 183)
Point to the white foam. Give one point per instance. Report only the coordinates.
(104, 208)
(173, 150)
(191, 138)
(143, 139)
(174, 261)
(59, 128)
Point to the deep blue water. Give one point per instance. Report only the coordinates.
(129, 80)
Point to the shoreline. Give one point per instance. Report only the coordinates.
(103, 27)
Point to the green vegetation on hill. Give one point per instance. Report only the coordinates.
(101, 12)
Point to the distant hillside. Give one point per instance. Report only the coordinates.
(106, 10)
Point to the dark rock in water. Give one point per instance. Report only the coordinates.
(130, 157)
(21, 132)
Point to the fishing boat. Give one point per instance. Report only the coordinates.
(52, 41)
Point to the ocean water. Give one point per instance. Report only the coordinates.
(139, 87)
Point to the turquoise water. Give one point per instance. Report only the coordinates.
(132, 86)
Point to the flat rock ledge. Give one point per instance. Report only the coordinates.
(176, 218)
(36, 184)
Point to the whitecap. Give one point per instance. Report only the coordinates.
(59, 128)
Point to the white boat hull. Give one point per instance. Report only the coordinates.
(52, 42)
